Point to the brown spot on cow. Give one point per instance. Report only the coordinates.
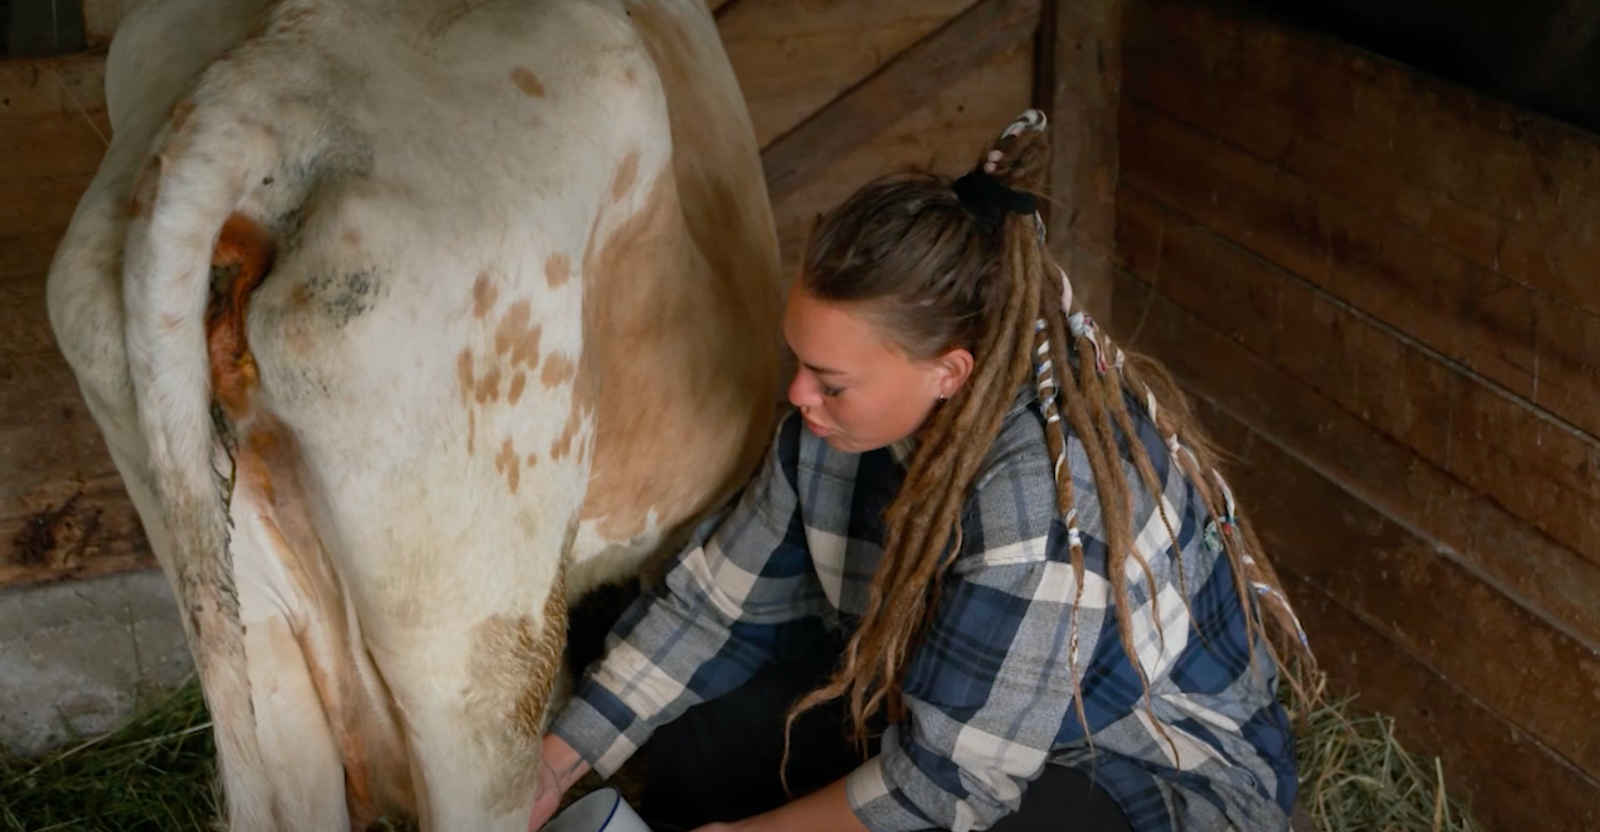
(533, 459)
(634, 290)
(483, 295)
(727, 229)
(558, 369)
(472, 430)
(488, 388)
(518, 381)
(526, 81)
(693, 252)
(351, 237)
(507, 463)
(557, 270)
(563, 443)
(464, 375)
(511, 671)
(516, 337)
(626, 173)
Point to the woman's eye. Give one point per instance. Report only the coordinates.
(831, 392)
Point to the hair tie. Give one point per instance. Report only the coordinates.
(988, 200)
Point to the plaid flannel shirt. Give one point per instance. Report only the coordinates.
(989, 691)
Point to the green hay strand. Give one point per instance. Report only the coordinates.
(154, 773)
(157, 773)
(1355, 775)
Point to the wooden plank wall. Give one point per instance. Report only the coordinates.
(63, 512)
(1383, 288)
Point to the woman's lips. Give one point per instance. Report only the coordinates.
(815, 428)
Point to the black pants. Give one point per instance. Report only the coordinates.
(719, 761)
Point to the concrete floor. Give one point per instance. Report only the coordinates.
(76, 658)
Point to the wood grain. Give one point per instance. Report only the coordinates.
(899, 88)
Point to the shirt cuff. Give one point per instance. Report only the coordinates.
(877, 805)
(590, 724)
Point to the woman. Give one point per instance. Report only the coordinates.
(953, 549)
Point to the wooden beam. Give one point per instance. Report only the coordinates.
(1085, 89)
(895, 90)
(794, 57)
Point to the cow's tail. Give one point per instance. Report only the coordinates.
(204, 172)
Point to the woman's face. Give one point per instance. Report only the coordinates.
(855, 387)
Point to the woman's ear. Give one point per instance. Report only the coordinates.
(954, 367)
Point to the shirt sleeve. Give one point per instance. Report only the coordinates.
(989, 691)
(717, 618)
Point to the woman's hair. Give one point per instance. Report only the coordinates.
(935, 274)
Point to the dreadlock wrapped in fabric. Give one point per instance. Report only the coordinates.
(962, 263)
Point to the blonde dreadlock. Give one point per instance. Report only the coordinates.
(936, 276)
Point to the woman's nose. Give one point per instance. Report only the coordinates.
(803, 390)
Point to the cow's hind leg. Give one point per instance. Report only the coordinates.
(329, 737)
(300, 758)
(301, 761)
(474, 691)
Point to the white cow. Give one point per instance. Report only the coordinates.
(515, 328)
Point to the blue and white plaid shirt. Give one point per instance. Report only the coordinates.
(989, 691)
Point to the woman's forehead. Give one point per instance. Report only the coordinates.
(827, 335)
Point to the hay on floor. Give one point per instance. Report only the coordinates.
(157, 773)
(1355, 775)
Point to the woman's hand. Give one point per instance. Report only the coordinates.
(559, 768)
(718, 827)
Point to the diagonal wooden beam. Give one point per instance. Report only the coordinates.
(895, 90)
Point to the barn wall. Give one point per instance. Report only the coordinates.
(63, 511)
(1383, 288)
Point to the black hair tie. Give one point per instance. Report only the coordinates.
(989, 200)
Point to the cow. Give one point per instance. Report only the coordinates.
(406, 323)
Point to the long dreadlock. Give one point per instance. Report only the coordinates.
(937, 275)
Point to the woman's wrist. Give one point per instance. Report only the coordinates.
(559, 767)
(561, 763)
